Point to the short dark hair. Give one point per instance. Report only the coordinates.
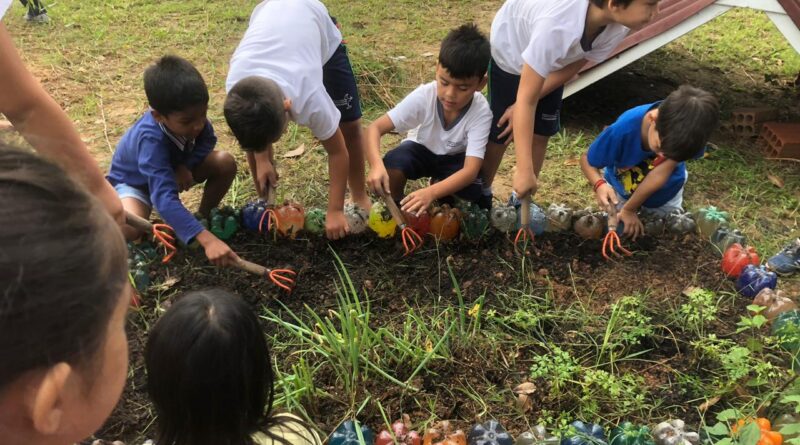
(209, 372)
(63, 268)
(686, 119)
(174, 84)
(254, 111)
(602, 3)
(465, 52)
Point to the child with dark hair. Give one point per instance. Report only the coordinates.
(292, 65)
(447, 122)
(63, 278)
(643, 154)
(167, 151)
(537, 46)
(210, 376)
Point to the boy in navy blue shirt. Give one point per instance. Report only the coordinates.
(170, 149)
(643, 154)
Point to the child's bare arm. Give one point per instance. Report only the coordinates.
(562, 76)
(420, 200)
(378, 178)
(604, 193)
(262, 169)
(338, 168)
(43, 123)
(651, 183)
(530, 88)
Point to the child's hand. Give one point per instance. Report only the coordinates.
(266, 175)
(633, 225)
(378, 180)
(525, 184)
(336, 225)
(418, 201)
(606, 195)
(507, 117)
(184, 178)
(219, 253)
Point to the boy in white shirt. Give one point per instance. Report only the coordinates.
(537, 46)
(291, 64)
(448, 125)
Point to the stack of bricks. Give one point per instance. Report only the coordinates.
(747, 121)
(781, 140)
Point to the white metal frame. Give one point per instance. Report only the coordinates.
(772, 8)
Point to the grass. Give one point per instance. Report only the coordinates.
(591, 362)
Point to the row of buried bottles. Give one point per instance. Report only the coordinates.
(447, 223)
(672, 432)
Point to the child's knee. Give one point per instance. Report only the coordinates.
(222, 164)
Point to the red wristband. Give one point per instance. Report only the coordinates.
(599, 182)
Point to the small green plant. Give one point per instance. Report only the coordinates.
(613, 395)
(700, 309)
(753, 325)
(626, 326)
(792, 428)
(558, 367)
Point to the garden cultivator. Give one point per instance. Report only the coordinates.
(612, 242)
(524, 234)
(160, 232)
(411, 239)
(282, 278)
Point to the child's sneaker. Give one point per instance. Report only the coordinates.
(37, 18)
(787, 261)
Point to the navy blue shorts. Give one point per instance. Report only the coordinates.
(416, 161)
(503, 88)
(340, 83)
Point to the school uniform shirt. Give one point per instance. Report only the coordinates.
(422, 116)
(146, 158)
(288, 41)
(4, 6)
(619, 150)
(291, 430)
(546, 35)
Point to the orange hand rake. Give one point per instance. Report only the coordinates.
(524, 234)
(269, 213)
(160, 233)
(411, 239)
(282, 278)
(612, 242)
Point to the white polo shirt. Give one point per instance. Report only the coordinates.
(546, 35)
(421, 115)
(4, 5)
(288, 41)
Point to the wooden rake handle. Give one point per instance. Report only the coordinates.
(395, 211)
(525, 216)
(253, 268)
(138, 223)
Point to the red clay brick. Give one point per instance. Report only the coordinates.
(783, 139)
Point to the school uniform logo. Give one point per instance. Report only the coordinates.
(345, 103)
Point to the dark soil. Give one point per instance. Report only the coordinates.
(573, 268)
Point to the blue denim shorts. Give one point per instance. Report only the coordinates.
(128, 191)
(503, 88)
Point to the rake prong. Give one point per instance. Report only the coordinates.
(411, 240)
(284, 282)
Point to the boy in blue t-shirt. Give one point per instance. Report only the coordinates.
(643, 154)
(168, 150)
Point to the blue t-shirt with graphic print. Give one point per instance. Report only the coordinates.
(619, 150)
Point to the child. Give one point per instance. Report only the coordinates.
(292, 64)
(210, 377)
(643, 154)
(42, 122)
(169, 149)
(65, 294)
(537, 46)
(447, 123)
